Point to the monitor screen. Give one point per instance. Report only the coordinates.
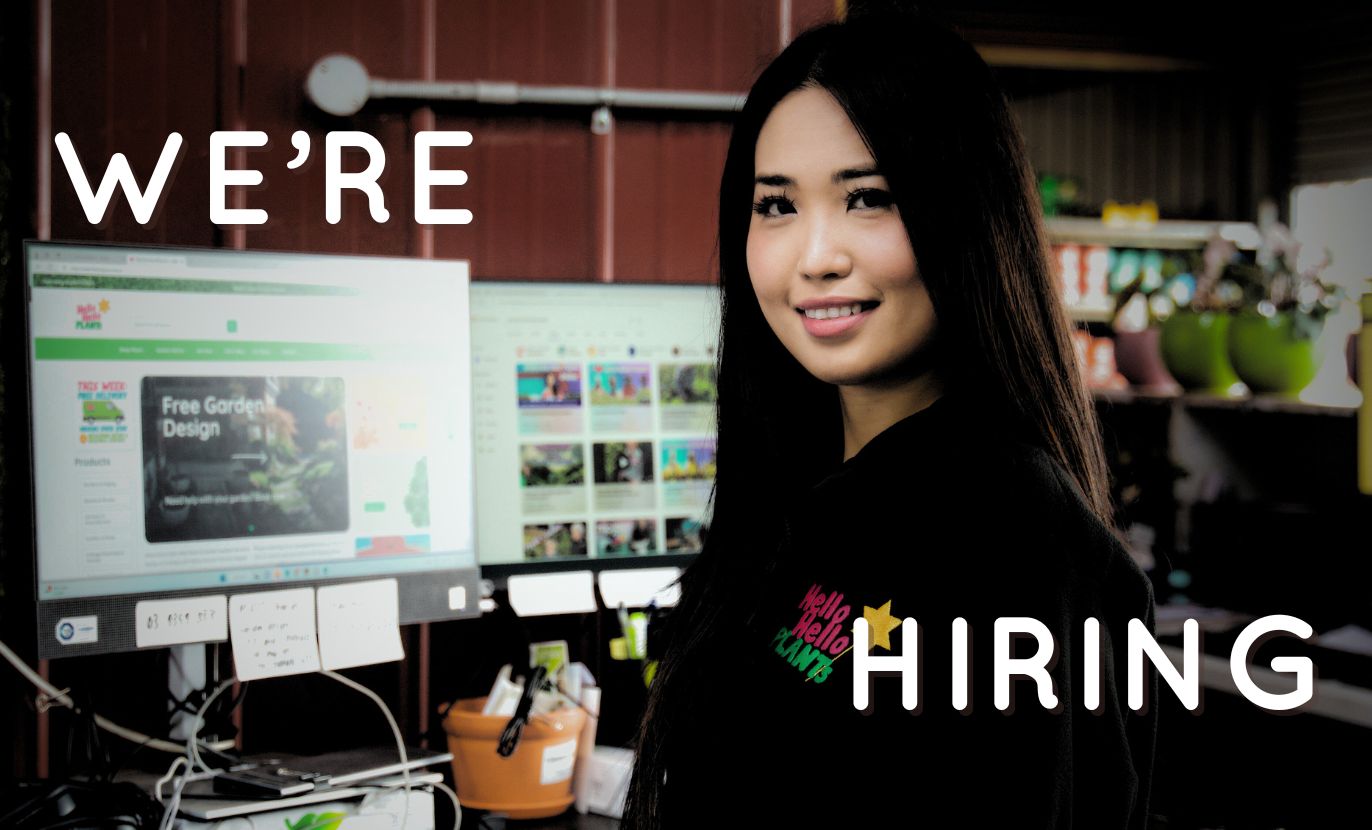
(212, 422)
(594, 411)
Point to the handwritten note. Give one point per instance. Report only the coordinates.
(169, 622)
(359, 624)
(273, 633)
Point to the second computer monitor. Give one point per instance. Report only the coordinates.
(594, 410)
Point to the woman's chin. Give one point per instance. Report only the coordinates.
(875, 373)
(843, 373)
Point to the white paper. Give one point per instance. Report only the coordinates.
(533, 595)
(359, 624)
(558, 761)
(636, 588)
(273, 633)
(607, 781)
(169, 622)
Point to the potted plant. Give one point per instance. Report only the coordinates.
(1143, 290)
(1195, 339)
(1273, 340)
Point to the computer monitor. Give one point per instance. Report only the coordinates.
(208, 423)
(594, 418)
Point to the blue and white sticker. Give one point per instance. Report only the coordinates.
(73, 631)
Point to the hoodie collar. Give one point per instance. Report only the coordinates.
(930, 426)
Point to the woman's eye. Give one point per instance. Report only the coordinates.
(773, 206)
(869, 198)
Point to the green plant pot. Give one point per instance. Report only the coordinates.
(1270, 356)
(1195, 347)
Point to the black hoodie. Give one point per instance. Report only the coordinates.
(936, 518)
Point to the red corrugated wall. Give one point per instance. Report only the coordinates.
(551, 199)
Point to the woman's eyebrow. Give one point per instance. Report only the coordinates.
(849, 173)
(775, 179)
(846, 174)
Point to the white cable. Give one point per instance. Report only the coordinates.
(457, 808)
(190, 760)
(193, 742)
(171, 772)
(61, 698)
(170, 810)
(395, 730)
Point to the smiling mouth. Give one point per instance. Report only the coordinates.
(832, 312)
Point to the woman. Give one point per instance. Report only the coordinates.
(903, 433)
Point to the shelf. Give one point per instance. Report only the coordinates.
(1132, 396)
(1092, 314)
(1197, 400)
(1331, 698)
(1167, 234)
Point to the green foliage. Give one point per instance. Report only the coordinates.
(316, 821)
(417, 500)
(1274, 283)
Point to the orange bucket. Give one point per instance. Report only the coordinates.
(535, 781)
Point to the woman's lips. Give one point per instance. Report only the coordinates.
(834, 326)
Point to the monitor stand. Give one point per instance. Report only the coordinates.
(186, 674)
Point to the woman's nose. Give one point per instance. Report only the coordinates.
(825, 255)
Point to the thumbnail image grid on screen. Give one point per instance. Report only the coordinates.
(602, 444)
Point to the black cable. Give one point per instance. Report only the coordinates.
(75, 804)
(189, 705)
(509, 737)
(85, 752)
(229, 706)
(128, 759)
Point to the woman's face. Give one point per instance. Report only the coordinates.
(830, 260)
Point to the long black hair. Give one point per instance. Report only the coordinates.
(942, 133)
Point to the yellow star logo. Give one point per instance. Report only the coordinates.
(104, 306)
(882, 624)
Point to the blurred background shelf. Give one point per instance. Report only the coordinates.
(1195, 400)
(1166, 234)
(1102, 313)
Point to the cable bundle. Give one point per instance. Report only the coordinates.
(509, 737)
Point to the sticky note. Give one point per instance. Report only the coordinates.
(533, 595)
(636, 588)
(359, 624)
(169, 622)
(273, 633)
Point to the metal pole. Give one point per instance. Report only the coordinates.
(508, 93)
(339, 84)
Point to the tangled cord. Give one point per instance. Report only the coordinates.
(509, 737)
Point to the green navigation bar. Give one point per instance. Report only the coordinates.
(75, 348)
(107, 283)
